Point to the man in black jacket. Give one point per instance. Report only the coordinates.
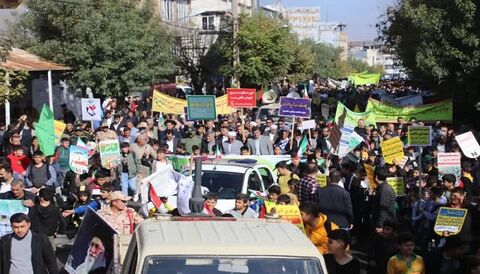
(24, 251)
(384, 201)
(334, 201)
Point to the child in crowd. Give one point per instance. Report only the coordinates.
(242, 207)
(210, 203)
(406, 261)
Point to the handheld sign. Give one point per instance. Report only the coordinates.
(201, 107)
(420, 136)
(7, 209)
(449, 163)
(325, 110)
(392, 149)
(468, 144)
(109, 152)
(91, 109)
(308, 124)
(242, 97)
(289, 213)
(78, 160)
(397, 185)
(295, 107)
(450, 221)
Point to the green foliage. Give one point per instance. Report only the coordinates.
(112, 46)
(12, 84)
(437, 41)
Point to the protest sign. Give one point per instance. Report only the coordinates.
(419, 136)
(449, 163)
(450, 221)
(295, 107)
(59, 128)
(325, 110)
(91, 109)
(468, 144)
(109, 152)
(344, 143)
(350, 118)
(201, 107)
(364, 78)
(370, 170)
(180, 163)
(392, 149)
(322, 180)
(7, 209)
(308, 124)
(289, 213)
(78, 159)
(385, 113)
(242, 97)
(93, 231)
(222, 106)
(397, 184)
(171, 105)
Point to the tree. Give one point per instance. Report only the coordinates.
(439, 43)
(267, 51)
(12, 84)
(327, 61)
(112, 46)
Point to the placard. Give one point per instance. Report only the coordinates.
(309, 124)
(468, 144)
(201, 107)
(289, 213)
(7, 209)
(78, 160)
(392, 149)
(59, 128)
(370, 170)
(449, 163)
(420, 136)
(325, 110)
(322, 180)
(109, 152)
(295, 107)
(242, 97)
(91, 109)
(397, 184)
(450, 221)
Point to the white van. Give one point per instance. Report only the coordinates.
(206, 245)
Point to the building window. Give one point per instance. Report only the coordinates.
(182, 9)
(208, 22)
(168, 10)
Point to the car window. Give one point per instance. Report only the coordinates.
(267, 177)
(254, 181)
(225, 184)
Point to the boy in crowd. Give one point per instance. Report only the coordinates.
(210, 203)
(406, 261)
(242, 207)
(317, 225)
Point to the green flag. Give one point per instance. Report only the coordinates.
(302, 148)
(45, 131)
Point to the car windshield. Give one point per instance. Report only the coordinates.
(225, 184)
(221, 265)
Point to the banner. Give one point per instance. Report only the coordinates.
(78, 159)
(469, 145)
(201, 107)
(420, 136)
(289, 213)
(392, 149)
(7, 209)
(180, 163)
(348, 141)
(109, 152)
(92, 250)
(351, 118)
(91, 109)
(164, 181)
(171, 105)
(59, 127)
(242, 97)
(449, 163)
(450, 221)
(397, 184)
(45, 131)
(384, 113)
(363, 78)
(295, 107)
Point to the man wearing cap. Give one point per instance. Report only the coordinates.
(259, 144)
(232, 146)
(105, 133)
(118, 215)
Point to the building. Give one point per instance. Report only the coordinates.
(331, 33)
(304, 21)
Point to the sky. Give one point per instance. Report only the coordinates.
(360, 16)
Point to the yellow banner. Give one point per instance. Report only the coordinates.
(171, 105)
(59, 128)
(289, 213)
(392, 150)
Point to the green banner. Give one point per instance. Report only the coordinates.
(384, 113)
(45, 131)
(360, 79)
(350, 118)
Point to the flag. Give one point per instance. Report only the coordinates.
(153, 197)
(218, 153)
(207, 210)
(302, 147)
(45, 131)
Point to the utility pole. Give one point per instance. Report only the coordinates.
(236, 51)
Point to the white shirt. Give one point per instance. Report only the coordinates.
(170, 145)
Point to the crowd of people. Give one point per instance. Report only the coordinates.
(396, 233)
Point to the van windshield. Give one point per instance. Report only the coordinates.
(225, 184)
(222, 265)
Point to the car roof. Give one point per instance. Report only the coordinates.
(225, 236)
